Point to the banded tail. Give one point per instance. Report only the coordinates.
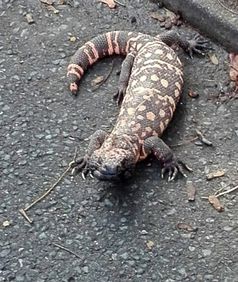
(114, 42)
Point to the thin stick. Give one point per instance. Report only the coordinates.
(23, 211)
(228, 191)
(119, 3)
(105, 78)
(224, 6)
(67, 250)
(185, 142)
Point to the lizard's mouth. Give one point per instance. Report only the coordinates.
(106, 176)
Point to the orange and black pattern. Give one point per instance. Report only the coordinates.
(114, 42)
(153, 89)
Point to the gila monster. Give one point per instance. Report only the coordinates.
(150, 85)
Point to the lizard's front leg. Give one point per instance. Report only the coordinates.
(165, 155)
(96, 141)
(124, 76)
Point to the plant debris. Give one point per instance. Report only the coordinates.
(150, 244)
(24, 210)
(29, 18)
(167, 20)
(213, 59)
(47, 2)
(72, 38)
(49, 6)
(186, 227)
(97, 80)
(215, 202)
(215, 174)
(110, 3)
(52, 9)
(191, 191)
(203, 139)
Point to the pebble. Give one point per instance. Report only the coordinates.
(4, 253)
(85, 269)
(124, 256)
(206, 252)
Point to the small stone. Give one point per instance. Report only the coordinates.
(5, 108)
(108, 203)
(85, 269)
(206, 252)
(191, 248)
(140, 271)
(29, 18)
(144, 232)
(124, 256)
(4, 253)
(228, 228)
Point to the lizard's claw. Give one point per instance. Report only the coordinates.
(198, 45)
(174, 167)
(80, 165)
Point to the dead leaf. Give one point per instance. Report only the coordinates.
(157, 16)
(29, 18)
(97, 80)
(186, 227)
(191, 191)
(215, 174)
(150, 244)
(192, 94)
(110, 3)
(214, 201)
(52, 9)
(213, 59)
(72, 39)
(6, 223)
(234, 67)
(47, 2)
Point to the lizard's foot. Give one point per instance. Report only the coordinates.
(198, 45)
(80, 165)
(118, 97)
(173, 167)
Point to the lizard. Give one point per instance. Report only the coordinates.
(150, 86)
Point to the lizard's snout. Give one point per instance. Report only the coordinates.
(109, 169)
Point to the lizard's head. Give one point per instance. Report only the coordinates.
(111, 165)
(115, 160)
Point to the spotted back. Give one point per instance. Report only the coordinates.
(153, 91)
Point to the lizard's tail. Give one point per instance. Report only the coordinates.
(114, 42)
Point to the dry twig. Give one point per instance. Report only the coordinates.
(185, 142)
(23, 211)
(105, 78)
(224, 6)
(66, 249)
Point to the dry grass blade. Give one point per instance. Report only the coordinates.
(23, 211)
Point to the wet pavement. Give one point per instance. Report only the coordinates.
(126, 232)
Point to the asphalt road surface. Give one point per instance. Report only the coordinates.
(115, 232)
